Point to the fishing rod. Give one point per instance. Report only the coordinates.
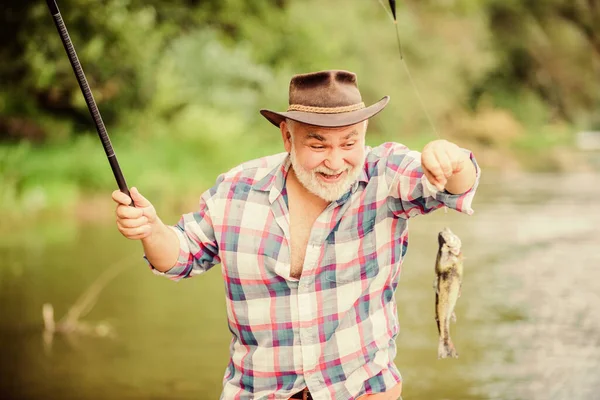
(89, 98)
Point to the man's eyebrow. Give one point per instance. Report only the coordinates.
(348, 136)
(312, 135)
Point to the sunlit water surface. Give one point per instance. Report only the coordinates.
(528, 319)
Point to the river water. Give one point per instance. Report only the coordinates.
(528, 319)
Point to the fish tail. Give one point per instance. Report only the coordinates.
(446, 348)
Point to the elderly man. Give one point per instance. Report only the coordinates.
(310, 243)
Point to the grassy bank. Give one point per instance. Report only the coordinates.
(172, 167)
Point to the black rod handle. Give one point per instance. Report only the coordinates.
(116, 169)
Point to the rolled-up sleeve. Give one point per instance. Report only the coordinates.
(411, 194)
(198, 249)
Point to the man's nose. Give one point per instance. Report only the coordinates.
(335, 160)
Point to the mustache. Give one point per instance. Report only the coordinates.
(328, 171)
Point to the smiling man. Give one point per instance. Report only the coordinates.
(310, 243)
(326, 175)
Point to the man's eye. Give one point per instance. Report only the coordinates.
(349, 144)
(317, 147)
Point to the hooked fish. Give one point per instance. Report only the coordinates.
(447, 285)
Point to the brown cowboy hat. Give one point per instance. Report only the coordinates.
(325, 98)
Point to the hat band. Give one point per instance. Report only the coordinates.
(326, 110)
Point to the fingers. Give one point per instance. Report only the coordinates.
(441, 160)
(444, 163)
(431, 178)
(432, 169)
(142, 205)
(132, 222)
(124, 211)
(443, 169)
(139, 232)
(121, 198)
(459, 161)
(138, 199)
(132, 228)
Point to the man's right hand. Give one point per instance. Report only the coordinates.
(137, 222)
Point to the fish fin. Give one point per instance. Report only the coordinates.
(453, 317)
(435, 286)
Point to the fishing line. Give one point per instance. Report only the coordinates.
(392, 16)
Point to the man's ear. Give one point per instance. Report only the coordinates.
(286, 136)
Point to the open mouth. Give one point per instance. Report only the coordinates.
(330, 178)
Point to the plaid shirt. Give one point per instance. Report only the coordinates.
(334, 329)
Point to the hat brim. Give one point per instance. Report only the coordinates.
(327, 120)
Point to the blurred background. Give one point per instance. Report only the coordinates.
(179, 85)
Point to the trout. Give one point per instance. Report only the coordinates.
(447, 285)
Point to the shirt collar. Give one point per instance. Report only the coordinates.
(274, 181)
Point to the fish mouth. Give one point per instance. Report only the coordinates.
(446, 237)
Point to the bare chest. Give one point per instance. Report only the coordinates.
(300, 227)
(303, 215)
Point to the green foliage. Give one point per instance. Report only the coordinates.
(197, 69)
(553, 49)
(179, 83)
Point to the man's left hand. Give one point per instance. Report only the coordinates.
(441, 160)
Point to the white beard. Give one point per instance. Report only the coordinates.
(327, 191)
